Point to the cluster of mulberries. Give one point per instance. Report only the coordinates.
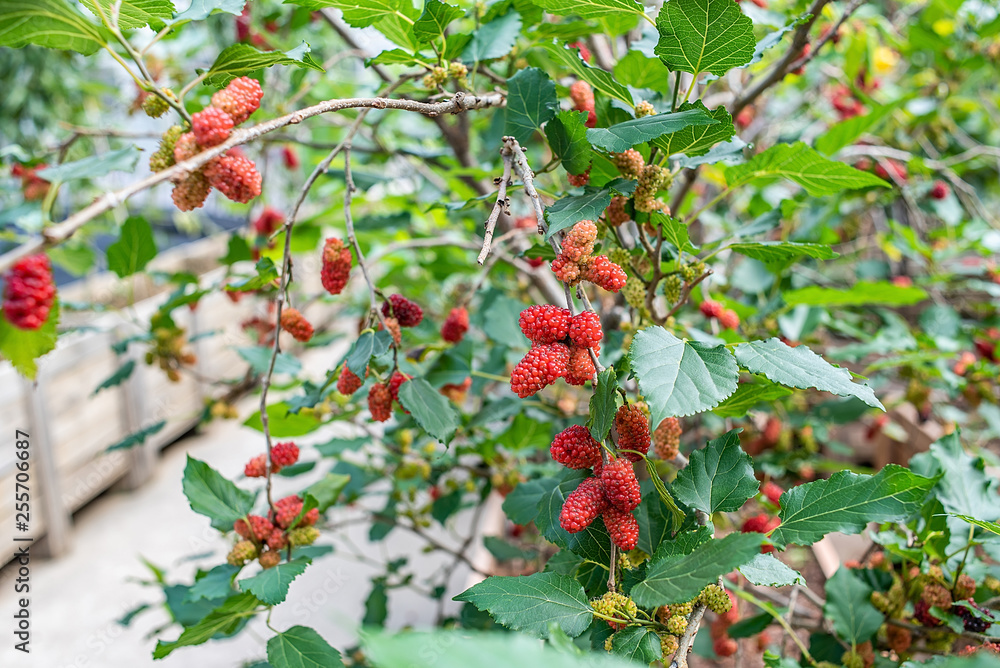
(29, 292)
(583, 100)
(576, 263)
(337, 261)
(667, 439)
(455, 325)
(560, 348)
(263, 538)
(282, 455)
(169, 350)
(727, 318)
(382, 395)
(232, 173)
(438, 75)
(617, 605)
(643, 109)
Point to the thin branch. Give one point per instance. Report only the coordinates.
(502, 205)
(352, 237)
(686, 293)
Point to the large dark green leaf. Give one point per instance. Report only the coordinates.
(848, 606)
(623, 136)
(718, 478)
(604, 404)
(531, 101)
(697, 139)
(567, 137)
(704, 36)
(429, 408)
(799, 163)
(55, 24)
(601, 80)
(370, 344)
(224, 619)
(215, 496)
(242, 59)
(435, 19)
(638, 644)
(301, 647)
(134, 248)
(270, 586)
(532, 603)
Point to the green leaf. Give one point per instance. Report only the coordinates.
(656, 522)
(718, 478)
(845, 132)
(801, 164)
(589, 9)
(748, 395)
(326, 491)
(521, 505)
(568, 211)
(504, 551)
(847, 502)
(270, 586)
(963, 486)
(802, 368)
(531, 101)
(370, 344)
(603, 404)
(50, 23)
(301, 647)
(434, 20)
(765, 570)
(642, 71)
(567, 137)
(679, 378)
(697, 139)
(530, 603)
(704, 36)
(237, 251)
(225, 619)
(202, 9)
(242, 59)
(494, 40)
(213, 495)
(601, 80)
(282, 422)
(137, 437)
(861, 294)
(134, 248)
(983, 524)
(266, 272)
(675, 232)
(122, 160)
(637, 644)
(259, 358)
(779, 255)
(592, 543)
(848, 606)
(360, 13)
(679, 578)
(429, 408)
(135, 13)
(217, 583)
(623, 136)
(120, 375)
(22, 347)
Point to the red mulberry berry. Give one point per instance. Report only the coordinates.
(186, 147)
(633, 431)
(725, 646)
(566, 270)
(772, 492)
(582, 95)
(582, 506)
(257, 467)
(729, 319)
(29, 293)
(457, 392)
(395, 382)
(290, 157)
(542, 366)
(262, 528)
(667, 439)
(380, 402)
(581, 367)
(235, 176)
(455, 325)
(192, 192)
(284, 454)
(392, 326)
(289, 508)
(348, 383)
(579, 242)
(622, 526)
(579, 180)
(710, 308)
(293, 322)
(604, 273)
(544, 323)
(277, 541)
(576, 448)
(585, 329)
(269, 220)
(939, 190)
(761, 523)
(337, 260)
(629, 163)
(211, 126)
(239, 99)
(615, 214)
(408, 313)
(621, 488)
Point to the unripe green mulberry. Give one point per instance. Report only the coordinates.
(652, 179)
(852, 660)
(303, 536)
(635, 292)
(672, 288)
(241, 553)
(668, 645)
(154, 106)
(965, 587)
(617, 605)
(677, 625)
(644, 108)
(716, 599)
(620, 256)
(164, 155)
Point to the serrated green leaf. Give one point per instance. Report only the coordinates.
(765, 570)
(266, 272)
(679, 378)
(860, 294)
(601, 80)
(531, 603)
(748, 395)
(213, 495)
(592, 543)
(704, 36)
(217, 583)
(802, 368)
(326, 491)
(845, 132)
(521, 505)
(494, 40)
(301, 647)
(963, 486)
(242, 59)
(779, 255)
(718, 478)
(679, 578)
(134, 249)
(54, 24)
(360, 13)
(675, 232)
(799, 163)
(589, 9)
(120, 375)
(202, 9)
(603, 404)
(504, 551)
(370, 344)
(656, 522)
(135, 13)
(567, 137)
(568, 211)
(623, 136)
(847, 502)
(224, 619)
(698, 139)
(848, 606)
(270, 586)
(137, 437)
(122, 160)
(429, 408)
(531, 101)
(23, 347)
(434, 20)
(259, 359)
(642, 71)
(638, 644)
